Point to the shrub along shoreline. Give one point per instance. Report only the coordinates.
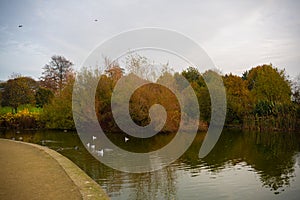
(23, 119)
(31, 119)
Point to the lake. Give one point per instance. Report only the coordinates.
(242, 165)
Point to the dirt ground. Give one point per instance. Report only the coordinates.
(30, 173)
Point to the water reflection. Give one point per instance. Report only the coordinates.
(271, 155)
(238, 156)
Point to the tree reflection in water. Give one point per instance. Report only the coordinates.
(270, 154)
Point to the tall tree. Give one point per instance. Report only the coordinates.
(19, 91)
(195, 78)
(56, 73)
(142, 67)
(238, 98)
(267, 83)
(191, 74)
(58, 112)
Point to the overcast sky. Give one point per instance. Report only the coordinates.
(237, 35)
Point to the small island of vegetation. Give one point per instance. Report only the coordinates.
(263, 98)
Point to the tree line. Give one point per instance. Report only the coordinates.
(263, 98)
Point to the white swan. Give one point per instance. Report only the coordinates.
(126, 139)
(100, 152)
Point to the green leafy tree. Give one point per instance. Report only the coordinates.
(43, 96)
(103, 102)
(193, 75)
(268, 84)
(216, 93)
(58, 114)
(270, 94)
(19, 91)
(238, 98)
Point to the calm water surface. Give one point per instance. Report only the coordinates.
(242, 165)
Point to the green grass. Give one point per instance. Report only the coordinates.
(30, 108)
(4, 110)
(8, 109)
